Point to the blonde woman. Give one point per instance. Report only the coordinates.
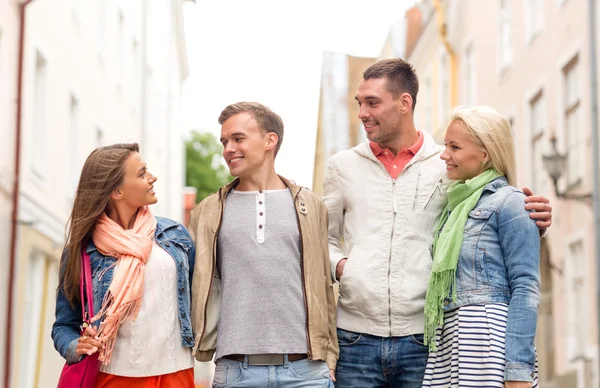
(141, 269)
(484, 288)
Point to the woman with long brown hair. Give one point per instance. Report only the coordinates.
(141, 269)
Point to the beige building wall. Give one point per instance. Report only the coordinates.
(429, 58)
(530, 61)
(9, 27)
(86, 84)
(338, 125)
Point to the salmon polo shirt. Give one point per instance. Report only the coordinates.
(395, 165)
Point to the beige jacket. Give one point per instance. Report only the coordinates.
(205, 222)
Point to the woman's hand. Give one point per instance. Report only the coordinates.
(517, 384)
(88, 344)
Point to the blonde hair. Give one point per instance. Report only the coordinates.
(491, 131)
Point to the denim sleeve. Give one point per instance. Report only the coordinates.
(66, 327)
(191, 255)
(520, 242)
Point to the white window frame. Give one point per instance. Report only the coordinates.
(580, 320)
(33, 306)
(505, 38)
(534, 19)
(538, 129)
(39, 162)
(574, 138)
(444, 88)
(469, 73)
(73, 144)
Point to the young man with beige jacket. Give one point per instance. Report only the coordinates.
(383, 198)
(262, 296)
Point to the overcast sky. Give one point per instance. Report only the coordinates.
(270, 51)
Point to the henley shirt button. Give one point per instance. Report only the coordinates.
(260, 202)
(395, 166)
(260, 214)
(259, 226)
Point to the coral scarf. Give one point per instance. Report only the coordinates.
(131, 248)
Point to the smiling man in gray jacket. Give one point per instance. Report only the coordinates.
(383, 198)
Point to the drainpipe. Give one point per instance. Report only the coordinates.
(443, 31)
(15, 193)
(595, 152)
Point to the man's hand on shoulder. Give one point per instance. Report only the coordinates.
(542, 210)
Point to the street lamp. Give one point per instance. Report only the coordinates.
(555, 165)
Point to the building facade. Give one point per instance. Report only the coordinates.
(339, 127)
(529, 59)
(94, 73)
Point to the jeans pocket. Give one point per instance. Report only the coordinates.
(227, 374)
(309, 370)
(348, 338)
(418, 339)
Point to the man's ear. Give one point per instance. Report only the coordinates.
(272, 140)
(406, 102)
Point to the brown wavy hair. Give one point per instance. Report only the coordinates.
(102, 173)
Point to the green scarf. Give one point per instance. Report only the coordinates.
(462, 198)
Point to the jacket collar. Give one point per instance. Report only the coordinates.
(223, 191)
(496, 184)
(428, 149)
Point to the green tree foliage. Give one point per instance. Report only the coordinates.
(204, 164)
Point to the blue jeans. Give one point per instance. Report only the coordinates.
(298, 374)
(380, 362)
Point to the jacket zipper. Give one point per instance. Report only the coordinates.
(390, 256)
(417, 190)
(436, 188)
(212, 272)
(303, 276)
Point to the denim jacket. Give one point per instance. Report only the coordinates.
(175, 240)
(499, 262)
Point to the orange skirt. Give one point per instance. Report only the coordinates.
(181, 379)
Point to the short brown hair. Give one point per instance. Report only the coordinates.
(401, 77)
(267, 120)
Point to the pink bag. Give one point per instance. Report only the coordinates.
(83, 374)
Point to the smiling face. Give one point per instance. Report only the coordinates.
(379, 111)
(137, 189)
(465, 159)
(246, 147)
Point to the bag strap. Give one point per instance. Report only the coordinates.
(86, 281)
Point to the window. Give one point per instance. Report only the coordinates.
(427, 110)
(33, 316)
(534, 19)
(135, 73)
(100, 29)
(120, 46)
(73, 145)
(444, 90)
(573, 131)
(39, 117)
(99, 137)
(538, 124)
(577, 302)
(469, 76)
(505, 34)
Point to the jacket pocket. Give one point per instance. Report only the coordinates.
(437, 190)
(478, 218)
